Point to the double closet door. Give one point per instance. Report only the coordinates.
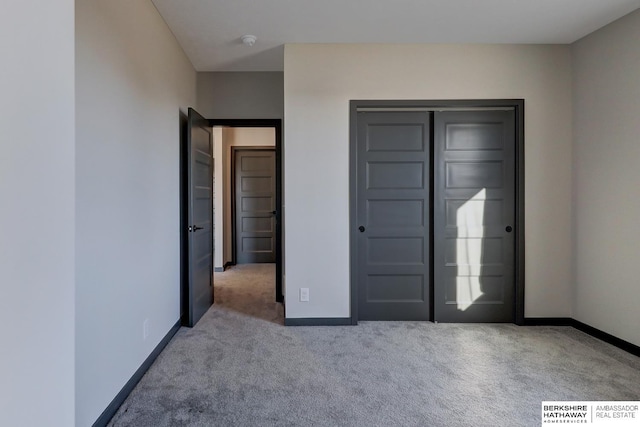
(435, 211)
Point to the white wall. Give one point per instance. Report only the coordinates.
(606, 103)
(251, 137)
(319, 82)
(241, 95)
(132, 80)
(220, 168)
(37, 213)
(232, 137)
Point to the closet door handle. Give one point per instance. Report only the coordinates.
(196, 228)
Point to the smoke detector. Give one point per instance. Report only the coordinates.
(249, 40)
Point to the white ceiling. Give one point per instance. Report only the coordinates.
(210, 30)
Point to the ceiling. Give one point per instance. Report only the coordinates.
(210, 30)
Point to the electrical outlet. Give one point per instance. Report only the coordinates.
(304, 294)
(145, 329)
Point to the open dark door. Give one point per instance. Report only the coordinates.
(199, 159)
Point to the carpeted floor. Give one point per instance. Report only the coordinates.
(240, 367)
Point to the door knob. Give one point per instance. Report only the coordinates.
(361, 228)
(196, 228)
(509, 229)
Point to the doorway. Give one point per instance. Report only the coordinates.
(437, 213)
(258, 228)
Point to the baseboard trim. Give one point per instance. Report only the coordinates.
(587, 329)
(318, 321)
(111, 410)
(606, 337)
(548, 321)
(223, 268)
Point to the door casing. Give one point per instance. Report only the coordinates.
(435, 105)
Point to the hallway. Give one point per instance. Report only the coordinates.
(248, 289)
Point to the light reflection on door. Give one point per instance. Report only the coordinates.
(469, 222)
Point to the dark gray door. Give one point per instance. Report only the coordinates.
(200, 216)
(393, 239)
(474, 211)
(255, 206)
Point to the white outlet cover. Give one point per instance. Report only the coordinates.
(304, 294)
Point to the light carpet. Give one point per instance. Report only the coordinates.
(239, 366)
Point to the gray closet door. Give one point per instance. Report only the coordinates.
(255, 193)
(200, 214)
(393, 240)
(474, 212)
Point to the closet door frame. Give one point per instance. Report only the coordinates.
(517, 105)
